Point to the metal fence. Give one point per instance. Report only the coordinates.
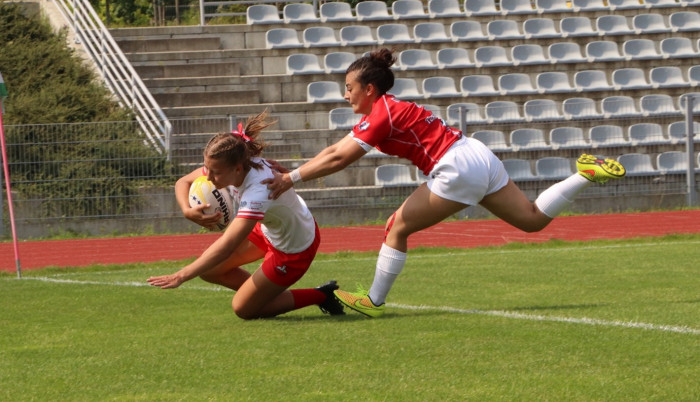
(104, 178)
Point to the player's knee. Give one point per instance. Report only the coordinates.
(242, 312)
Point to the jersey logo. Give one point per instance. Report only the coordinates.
(364, 126)
(281, 270)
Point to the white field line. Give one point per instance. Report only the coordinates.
(493, 313)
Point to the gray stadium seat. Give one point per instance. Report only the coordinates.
(440, 87)
(503, 29)
(477, 85)
(454, 58)
(503, 112)
(444, 8)
(336, 11)
(527, 139)
(646, 134)
(516, 84)
(512, 7)
(624, 4)
(528, 54)
(262, 14)
(355, 35)
(342, 118)
(416, 59)
(576, 26)
(650, 24)
(580, 108)
(673, 48)
(540, 28)
(467, 31)
(323, 92)
(630, 78)
(480, 7)
(553, 6)
(553, 168)
(661, 3)
(393, 175)
(591, 80)
(553, 82)
(337, 62)
(684, 21)
(425, 32)
(294, 13)
(319, 37)
(589, 5)
(637, 164)
(672, 162)
(565, 52)
(567, 138)
(607, 135)
(658, 105)
(603, 50)
(475, 113)
(519, 169)
(613, 25)
(667, 77)
(489, 56)
(676, 132)
(278, 38)
(640, 49)
(619, 106)
(495, 140)
(694, 76)
(405, 88)
(408, 9)
(393, 34)
(541, 110)
(372, 10)
(301, 63)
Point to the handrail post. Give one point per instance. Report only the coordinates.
(689, 147)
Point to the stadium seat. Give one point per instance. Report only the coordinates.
(618, 106)
(503, 112)
(613, 25)
(537, 110)
(684, 21)
(603, 50)
(580, 108)
(673, 48)
(278, 38)
(416, 59)
(589, 5)
(407, 9)
(372, 10)
(528, 54)
(630, 78)
(319, 37)
(342, 118)
(323, 92)
(434, 109)
(393, 34)
(540, 28)
(513, 7)
(624, 4)
(591, 80)
(489, 56)
(553, 168)
(519, 169)
(495, 140)
(565, 52)
(658, 105)
(696, 102)
(454, 57)
(516, 84)
(303, 64)
(426, 32)
(294, 13)
(694, 76)
(650, 24)
(672, 162)
(444, 9)
(676, 132)
(478, 85)
(480, 7)
(262, 14)
(567, 138)
(336, 11)
(553, 6)
(667, 77)
(337, 62)
(607, 135)
(356, 35)
(640, 49)
(576, 26)
(552, 82)
(637, 164)
(467, 31)
(393, 175)
(405, 88)
(527, 139)
(662, 3)
(503, 29)
(440, 87)
(646, 134)
(474, 112)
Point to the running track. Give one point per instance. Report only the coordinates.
(461, 234)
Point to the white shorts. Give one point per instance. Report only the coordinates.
(467, 173)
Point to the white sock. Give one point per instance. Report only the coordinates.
(389, 265)
(560, 195)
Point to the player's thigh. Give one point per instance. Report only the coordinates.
(256, 293)
(513, 206)
(421, 210)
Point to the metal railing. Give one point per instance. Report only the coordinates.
(219, 12)
(117, 72)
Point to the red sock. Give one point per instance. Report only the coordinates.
(307, 297)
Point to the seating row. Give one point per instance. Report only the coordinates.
(426, 32)
(552, 168)
(414, 9)
(518, 55)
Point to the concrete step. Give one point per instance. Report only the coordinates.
(129, 45)
(205, 99)
(188, 70)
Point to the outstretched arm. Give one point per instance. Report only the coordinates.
(332, 159)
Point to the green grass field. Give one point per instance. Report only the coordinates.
(595, 321)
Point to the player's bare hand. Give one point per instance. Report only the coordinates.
(276, 166)
(278, 185)
(166, 281)
(196, 214)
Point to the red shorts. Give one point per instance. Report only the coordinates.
(281, 268)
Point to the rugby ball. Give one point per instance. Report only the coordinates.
(202, 191)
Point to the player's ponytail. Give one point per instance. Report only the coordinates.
(241, 144)
(375, 69)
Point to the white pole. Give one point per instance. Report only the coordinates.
(6, 169)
